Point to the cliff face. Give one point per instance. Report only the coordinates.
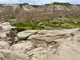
(27, 12)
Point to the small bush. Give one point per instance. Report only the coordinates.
(25, 4)
(12, 17)
(35, 5)
(47, 4)
(21, 5)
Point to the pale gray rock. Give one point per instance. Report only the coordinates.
(5, 29)
(6, 54)
(51, 35)
(4, 45)
(22, 47)
(40, 45)
(6, 26)
(3, 35)
(37, 53)
(26, 34)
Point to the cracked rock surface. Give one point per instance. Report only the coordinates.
(39, 44)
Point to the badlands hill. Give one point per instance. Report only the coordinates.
(23, 12)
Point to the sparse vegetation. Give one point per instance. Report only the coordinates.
(21, 5)
(0, 4)
(25, 4)
(73, 17)
(12, 17)
(35, 5)
(29, 25)
(47, 4)
(41, 24)
(65, 4)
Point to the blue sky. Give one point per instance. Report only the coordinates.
(37, 2)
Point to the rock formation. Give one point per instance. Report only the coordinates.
(17, 13)
(39, 44)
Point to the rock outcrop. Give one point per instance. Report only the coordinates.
(17, 13)
(39, 44)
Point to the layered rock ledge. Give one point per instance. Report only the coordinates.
(21, 13)
(39, 44)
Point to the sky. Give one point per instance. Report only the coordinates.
(37, 2)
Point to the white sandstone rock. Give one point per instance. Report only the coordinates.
(27, 33)
(4, 45)
(22, 47)
(6, 54)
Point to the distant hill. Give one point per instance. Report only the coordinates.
(23, 12)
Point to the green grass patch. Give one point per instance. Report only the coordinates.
(29, 25)
(40, 24)
(73, 17)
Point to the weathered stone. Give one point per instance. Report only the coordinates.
(5, 29)
(28, 12)
(37, 53)
(39, 44)
(6, 54)
(4, 45)
(22, 47)
(6, 26)
(26, 34)
(50, 35)
(3, 35)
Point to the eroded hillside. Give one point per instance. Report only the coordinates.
(25, 12)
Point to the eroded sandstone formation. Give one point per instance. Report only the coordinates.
(17, 13)
(39, 44)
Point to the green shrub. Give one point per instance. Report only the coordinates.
(20, 29)
(12, 17)
(47, 4)
(25, 4)
(74, 17)
(35, 5)
(0, 4)
(21, 5)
